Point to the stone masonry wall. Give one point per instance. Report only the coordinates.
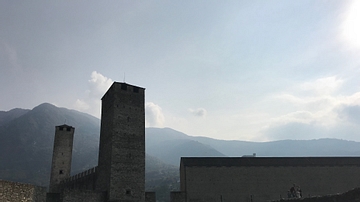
(350, 196)
(150, 196)
(85, 180)
(121, 169)
(62, 155)
(177, 196)
(263, 183)
(19, 192)
(82, 196)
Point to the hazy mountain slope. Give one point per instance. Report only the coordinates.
(169, 145)
(7, 116)
(27, 142)
(160, 177)
(170, 151)
(321, 147)
(154, 136)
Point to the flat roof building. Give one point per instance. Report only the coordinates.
(250, 179)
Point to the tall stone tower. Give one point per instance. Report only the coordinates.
(121, 169)
(62, 154)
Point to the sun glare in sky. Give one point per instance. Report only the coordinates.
(352, 24)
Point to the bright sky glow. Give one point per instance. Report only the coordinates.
(352, 24)
(244, 70)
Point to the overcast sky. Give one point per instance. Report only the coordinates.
(244, 70)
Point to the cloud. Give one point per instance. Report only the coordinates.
(154, 115)
(322, 86)
(81, 105)
(98, 85)
(322, 113)
(200, 112)
(350, 113)
(350, 28)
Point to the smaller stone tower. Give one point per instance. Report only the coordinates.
(61, 160)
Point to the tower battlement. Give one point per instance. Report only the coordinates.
(125, 87)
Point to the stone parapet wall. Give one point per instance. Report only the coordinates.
(82, 196)
(20, 192)
(263, 183)
(85, 180)
(177, 196)
(150, 196)
(350, 196)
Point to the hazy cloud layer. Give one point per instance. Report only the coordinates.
(350, 113)
(320, 111)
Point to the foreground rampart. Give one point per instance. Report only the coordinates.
(20, 192)
(83, 181)
(261, 179)
(350, 196)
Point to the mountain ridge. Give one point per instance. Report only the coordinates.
(27, 141)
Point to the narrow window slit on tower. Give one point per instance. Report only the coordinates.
(128, 192)
(61, 172)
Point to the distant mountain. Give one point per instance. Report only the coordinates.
(166, 143)
(320, 147)
(7, 116)
(27, 139)
(169, 145)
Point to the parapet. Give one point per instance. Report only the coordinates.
(124, 87)
(150, 196)
(177, 196)
(269, 161)
(82, 181)
(65, 127)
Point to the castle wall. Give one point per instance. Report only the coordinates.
(20, 192)
(85, 180)
(253, 180)
(177, 196)
(150, 196)
(82, 196)
(352, 195)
